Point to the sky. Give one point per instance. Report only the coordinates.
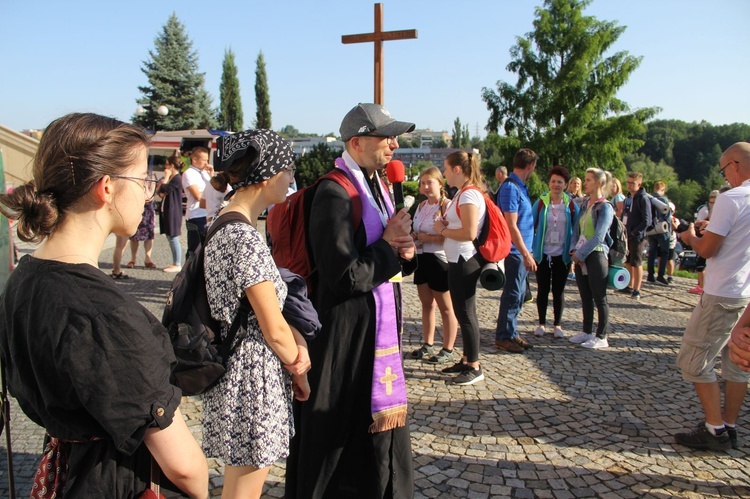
(59, 57)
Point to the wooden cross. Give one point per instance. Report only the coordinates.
(388, 380)
(378, 37)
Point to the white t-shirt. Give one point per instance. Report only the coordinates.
(214, 200)
(728, 272)
(454, 249)
(424, 221)
(198, 178)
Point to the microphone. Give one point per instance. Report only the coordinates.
(395, 173)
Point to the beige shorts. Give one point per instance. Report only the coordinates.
(706, 337)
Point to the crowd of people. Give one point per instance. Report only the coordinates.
(334, 406)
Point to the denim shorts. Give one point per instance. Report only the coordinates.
(706, 337)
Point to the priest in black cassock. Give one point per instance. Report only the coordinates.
(352, 437)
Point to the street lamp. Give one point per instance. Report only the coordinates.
(161, 111)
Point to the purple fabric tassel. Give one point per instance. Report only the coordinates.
(388, 398)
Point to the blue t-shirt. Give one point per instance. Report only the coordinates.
(513, 197)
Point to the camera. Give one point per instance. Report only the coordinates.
(682, 226)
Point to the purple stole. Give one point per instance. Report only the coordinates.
(388, 398)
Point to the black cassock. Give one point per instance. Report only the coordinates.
(333, 455)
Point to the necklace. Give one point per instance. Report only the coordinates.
(60, 257)
(242, 208)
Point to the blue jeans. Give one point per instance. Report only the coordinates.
(512, 298)
(174, 245)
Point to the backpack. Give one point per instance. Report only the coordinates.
(493, 240)
(619, 235)
(195, 335)
(287, 225)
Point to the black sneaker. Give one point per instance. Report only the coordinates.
(650, 279)
(442, 357)
(458, 367)
(701, 438)
(636, 295)
(424, 351)
(732, 432)
(469, 377)
(670, 280)
(626, 290)
(661, 280)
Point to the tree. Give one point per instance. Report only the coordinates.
(564, 103)
(456, 137)
(174, 81)
(289, 131)
(262, 100)
(317, 162)
(230, 105)
(651, 171)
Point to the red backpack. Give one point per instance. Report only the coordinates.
(287, 225)
(493, 240)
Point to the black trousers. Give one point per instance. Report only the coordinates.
(551, 272)
(462, 281)
(593, 290)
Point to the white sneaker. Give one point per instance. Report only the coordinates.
(559, 333)
(539, 331)
(581, 337)
(596, 342)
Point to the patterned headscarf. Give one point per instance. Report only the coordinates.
(272, 154)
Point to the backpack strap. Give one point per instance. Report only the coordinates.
(343, 180)
(227, 347)
(458, 196)
(5, 424)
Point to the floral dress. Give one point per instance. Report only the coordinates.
(247, 416)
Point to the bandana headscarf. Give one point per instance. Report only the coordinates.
(272, 154)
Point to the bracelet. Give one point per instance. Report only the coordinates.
(442, 230)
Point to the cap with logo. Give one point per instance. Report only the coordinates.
(373, 120)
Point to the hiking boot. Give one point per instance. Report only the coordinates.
(732, 432)
(697, 290)
(522, 343)
(508, 346)
(424, 351)
(701, 438)
(595, 342)
(650, 279)
(626, 290)
(540, 330)
(442, 357)
(661, 280)
(469, 377)
(636, 295)
(581, 337)
(558, 332)
(458, 367)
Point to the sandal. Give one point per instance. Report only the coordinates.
(423, 351)
(130, 264)
(121, 275)
(150, 265)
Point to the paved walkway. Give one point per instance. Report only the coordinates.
(558, 421)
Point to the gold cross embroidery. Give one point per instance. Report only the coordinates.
(388, 379)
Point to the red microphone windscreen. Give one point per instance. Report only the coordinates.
(395, 172)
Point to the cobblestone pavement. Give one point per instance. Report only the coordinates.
(558, 421)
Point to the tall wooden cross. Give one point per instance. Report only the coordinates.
(378, 37)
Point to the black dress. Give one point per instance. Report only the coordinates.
(170, 217)
(333, 454)
(88, 363)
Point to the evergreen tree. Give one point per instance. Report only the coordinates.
(564, 103)
(457, 130)
(262, 100)
(230, 106)
(174, 81)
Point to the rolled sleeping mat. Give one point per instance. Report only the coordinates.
(618, 278)
(491, 277)
(659, 228)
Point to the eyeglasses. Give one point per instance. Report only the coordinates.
(722, 172)
(149, 183)
(290, 170)
(389, 140)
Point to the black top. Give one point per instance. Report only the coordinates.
(85, 360)
(639, 215)
(170, 217)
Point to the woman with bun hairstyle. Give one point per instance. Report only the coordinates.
(554, 214)
(431, 276)
(247, 415)
(84, 359)
(591, 257)
(170, 216)
(463, 218)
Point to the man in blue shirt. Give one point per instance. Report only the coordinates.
(513, 200)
